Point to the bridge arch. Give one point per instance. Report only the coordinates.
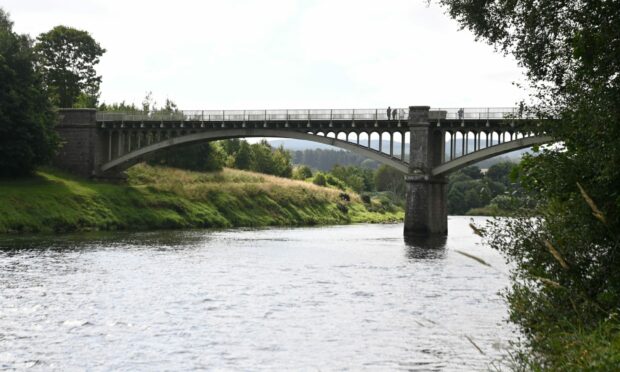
(489, 152)
(127, 160)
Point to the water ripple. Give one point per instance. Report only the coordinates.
(329, 298)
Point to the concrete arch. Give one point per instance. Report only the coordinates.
(487, 153)
(125, 161)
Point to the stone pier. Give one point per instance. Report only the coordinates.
(81, 142)
(426, 211)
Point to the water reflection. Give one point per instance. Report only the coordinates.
(425, 248)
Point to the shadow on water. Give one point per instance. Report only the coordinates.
(425, 247)
(162, 240)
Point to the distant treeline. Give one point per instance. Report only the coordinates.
(325, 160)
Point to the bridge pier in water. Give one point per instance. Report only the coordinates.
(426, 210)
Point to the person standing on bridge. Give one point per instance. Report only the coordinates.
(394, 112)
(461, 113)
(389, 112)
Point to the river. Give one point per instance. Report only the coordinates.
(323, 298)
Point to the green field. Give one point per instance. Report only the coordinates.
(166, 198)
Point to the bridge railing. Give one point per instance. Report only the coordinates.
(310, 115)
(487, 113)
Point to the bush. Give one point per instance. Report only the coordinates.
(302, 172)
(319, 179)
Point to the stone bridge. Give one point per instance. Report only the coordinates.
(424, 144)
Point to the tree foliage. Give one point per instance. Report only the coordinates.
(27, 137)
(203, 157)
(302, 172)
(567, 275)
(359, 179)
(67, 58)
(389, 179)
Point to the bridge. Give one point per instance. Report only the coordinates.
(424, 144)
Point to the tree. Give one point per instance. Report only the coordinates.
(302, 172)
(243, 159)
(67, 58)
(27, 137)
(389, 179)
(203, 157)
(262, 160)
(472, 172)
(499, 172)
(566, 259)
(319, 179)
(282, 162)
(359, 179)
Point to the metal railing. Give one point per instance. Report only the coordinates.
(310, 115)
(488, 113)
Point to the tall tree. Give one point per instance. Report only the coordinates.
(244, 157)
(27, 137)
(67, 59)
(566, 260)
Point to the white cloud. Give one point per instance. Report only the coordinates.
(282, 53)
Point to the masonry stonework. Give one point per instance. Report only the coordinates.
(80, 142)
(426, 210)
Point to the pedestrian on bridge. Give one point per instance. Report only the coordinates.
(389, 112)
(461, 113)
(394, 112)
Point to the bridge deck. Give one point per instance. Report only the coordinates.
(323, 115)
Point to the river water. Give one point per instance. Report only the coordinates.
(326, 298)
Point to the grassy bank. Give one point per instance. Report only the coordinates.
(162, 198)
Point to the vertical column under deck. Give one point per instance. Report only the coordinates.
(426, 210)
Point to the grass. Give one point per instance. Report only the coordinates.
(166, 198)
(567, 348)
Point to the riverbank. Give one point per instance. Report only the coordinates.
(166, 198)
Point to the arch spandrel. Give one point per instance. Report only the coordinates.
(125, 161)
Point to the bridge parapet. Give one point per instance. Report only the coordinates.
(349, 115)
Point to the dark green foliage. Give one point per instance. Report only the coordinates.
(243, 158)
(67, 59)
(205, 157)
(469, 189)
(389, 179)
(357, 178)
(267, 160)
(119, 107)
(473, 172)
(319, 179)
(499, 172)
(258, 157)
(302, 172)
(566, 278)
(27, 137)
(231, 146)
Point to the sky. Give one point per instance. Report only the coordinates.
(282, 54)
